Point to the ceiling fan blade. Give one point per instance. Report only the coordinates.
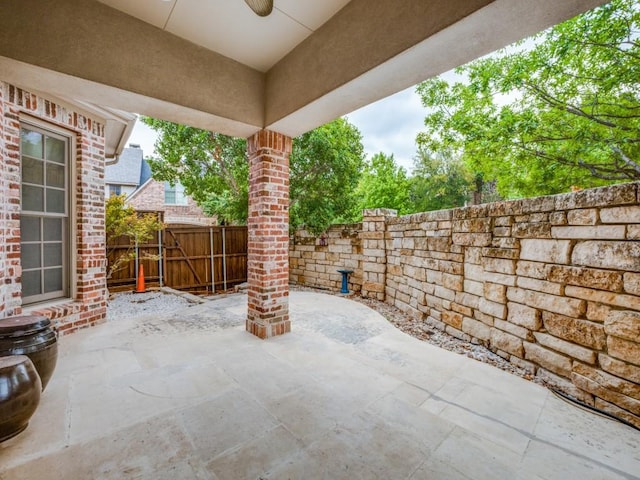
(260, 7)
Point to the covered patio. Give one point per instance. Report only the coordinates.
(190, 395)
(218, 66)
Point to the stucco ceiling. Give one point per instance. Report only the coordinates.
(216, 65)
(230, 28)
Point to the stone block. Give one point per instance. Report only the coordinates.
(558, 218)
(476, 329)
(499, 265)
(502, 231)
(539, 285)
(467, 299)
(495, 292)
(503, 221)
(570, 307)
(524, 316)
(633, 232)
(565, 385)
(546, 251)
(558, 364)
(632, 283)
(568, 348)
(513, 329)
(583, 332)
(531, 230)
(452, 318)
(504, 243)
(472, 239)
(466, 311)
(473, 255)
(619, 368)
(604, 232)
(525, 268)
(608, 255)
(445, 293)
(597, 312)
(452, 282)
(590, 380)
(609, 298)
(494, 309)
(626, 214)
(623, 324)
(483, 317)
(506, 342)
(622, 194)
(586, 277)
(473, 287)
(585, 216)
(623, 350)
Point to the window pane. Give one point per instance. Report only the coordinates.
(52, 229)
(55, 150)
(55, 175)
(30, 255)
(55, 201)
(32, 143)
(32, 198)
(32, 170)
(52, 254)
(52, 280)
(29, 229)
(31, 283)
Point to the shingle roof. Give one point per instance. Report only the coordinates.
(129, 169)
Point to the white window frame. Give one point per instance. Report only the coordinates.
(181, 198)
(69, 290)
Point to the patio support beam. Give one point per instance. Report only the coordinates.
(268, 222)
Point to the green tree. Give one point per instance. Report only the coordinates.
(538, 120)
(439, 181)
(384, 184)
(325, 166)
(121, 220)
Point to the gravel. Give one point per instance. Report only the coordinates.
(131, 305)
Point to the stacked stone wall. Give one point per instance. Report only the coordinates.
(551, 284)
(314, 261)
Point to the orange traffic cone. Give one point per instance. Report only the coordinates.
(140, 285)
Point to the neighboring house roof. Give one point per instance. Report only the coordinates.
(130, 169)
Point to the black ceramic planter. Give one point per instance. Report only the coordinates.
(33, 336)
(20, 389)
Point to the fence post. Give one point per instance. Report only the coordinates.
(213, 269)
(160, 270)
(224, 257)
(136, 264)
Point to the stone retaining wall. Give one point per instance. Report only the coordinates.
(315, 261)
(550, 283)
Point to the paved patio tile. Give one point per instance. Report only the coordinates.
(344, 396)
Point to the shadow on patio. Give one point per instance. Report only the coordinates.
(190, 394)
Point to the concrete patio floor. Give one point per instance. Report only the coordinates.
(191, 395)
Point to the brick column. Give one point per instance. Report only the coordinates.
(268, 222)
(374, 253)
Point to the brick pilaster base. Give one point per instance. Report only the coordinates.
(268, 222)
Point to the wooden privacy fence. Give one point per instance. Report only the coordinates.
(189, 258)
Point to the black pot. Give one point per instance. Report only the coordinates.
(20, 389)
(33, 336)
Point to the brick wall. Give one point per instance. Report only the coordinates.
(88, 306)
(551, 284)
(150, 196)
(315, 261)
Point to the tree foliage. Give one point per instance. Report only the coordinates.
(384, 184)
(122, 220)
(325, 166)
(538, 120)
(439, 181)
